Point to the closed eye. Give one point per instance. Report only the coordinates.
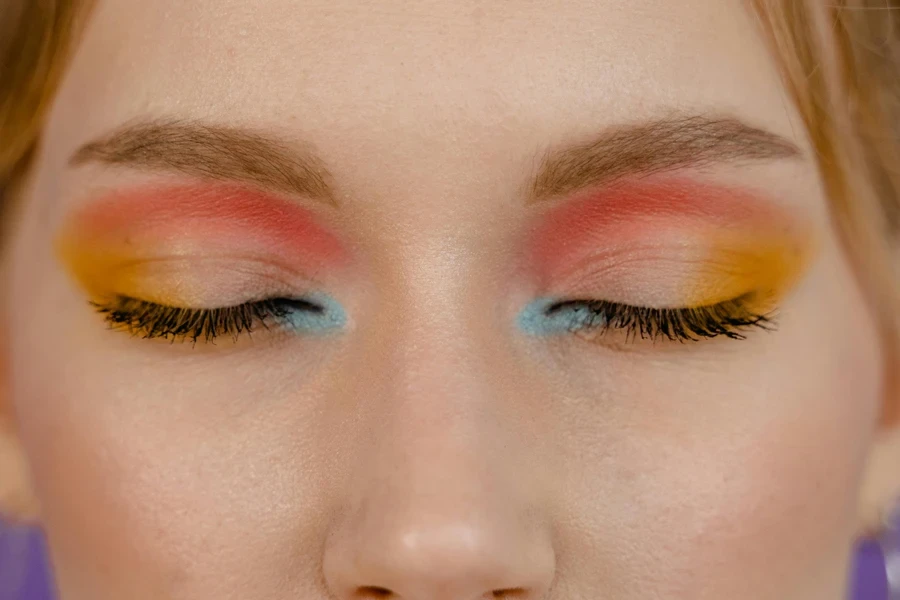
(152, 320)
(594, 319)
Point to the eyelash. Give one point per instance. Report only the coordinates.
(595, 318)
(151, 320)
(730, 319)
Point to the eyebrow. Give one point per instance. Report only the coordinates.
(214, 152)
(653, 147)
(229, 153)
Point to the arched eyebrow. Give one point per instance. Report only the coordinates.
(230, 153)
(653, 147)
(216, 152)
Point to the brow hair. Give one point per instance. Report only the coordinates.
(229, 153)
(649, 148)
(213, 151)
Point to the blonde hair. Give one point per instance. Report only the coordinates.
(841, 63)
(35, 39)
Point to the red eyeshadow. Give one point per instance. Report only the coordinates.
(630, 212)
(219, 213)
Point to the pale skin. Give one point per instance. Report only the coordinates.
(431, 449)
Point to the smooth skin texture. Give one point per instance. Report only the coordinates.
(432, 449)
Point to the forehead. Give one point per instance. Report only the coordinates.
(420, 65)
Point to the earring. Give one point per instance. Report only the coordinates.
(889, 540)
(876, 568)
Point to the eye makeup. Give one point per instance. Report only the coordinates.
(203, 256)
(315, 313)
(661, 246)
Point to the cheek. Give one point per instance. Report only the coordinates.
(777, 495)
(784, 501)
(140, 475)
(736, 475)
(143, 463)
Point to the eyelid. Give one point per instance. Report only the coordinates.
(211, 213)
(685, 270)
(199, 281)
(288, 248)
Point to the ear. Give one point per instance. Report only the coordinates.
(881, 481)
(17, 500)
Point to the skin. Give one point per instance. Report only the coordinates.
(432, 448)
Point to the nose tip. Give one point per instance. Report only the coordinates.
(438, 561)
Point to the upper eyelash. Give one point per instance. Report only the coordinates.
(152, 320)
(730, 319)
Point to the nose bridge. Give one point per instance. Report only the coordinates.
(441, 505)
(438, 395)
(445, 396)
(433, 340)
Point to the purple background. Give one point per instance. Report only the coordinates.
(25, 573)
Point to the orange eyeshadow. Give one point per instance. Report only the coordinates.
(111, 243)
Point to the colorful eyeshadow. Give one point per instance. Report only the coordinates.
(162, 242)
(537, 318)
(669, 243)
(622, 212)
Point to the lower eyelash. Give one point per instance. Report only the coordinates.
(730, 319)
(151, 320)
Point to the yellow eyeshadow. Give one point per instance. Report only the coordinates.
(762, 267)
(103, 271)
(95, 269)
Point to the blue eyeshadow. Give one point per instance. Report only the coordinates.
(315, 313)
(542, 317)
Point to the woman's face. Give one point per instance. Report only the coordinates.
(544, 303)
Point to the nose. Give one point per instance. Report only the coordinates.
(410, 554)
(444, 502)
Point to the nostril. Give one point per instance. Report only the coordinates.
(370, 592)
(510, 593)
